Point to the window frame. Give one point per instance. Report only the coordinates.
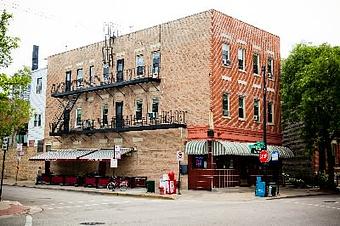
(270, 67)
(80, 77)
(226, 103)
(78, 123)
(243, 107)
(257, 63)
(105, 107)
(140, 65)
(257, 117)
(106, 73)
(156, 62)
(38, 88)
(226, 54)
(270, 112)
(241, 60)
(91, 75)
(139, 109)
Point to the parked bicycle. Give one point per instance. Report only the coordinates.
(118, 182)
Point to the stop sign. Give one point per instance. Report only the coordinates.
(264, 156)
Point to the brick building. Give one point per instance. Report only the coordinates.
(193, 84)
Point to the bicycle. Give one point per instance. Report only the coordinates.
(117, 182)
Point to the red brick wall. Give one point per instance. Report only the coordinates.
(238, 34)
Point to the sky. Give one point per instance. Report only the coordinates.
(60, 25)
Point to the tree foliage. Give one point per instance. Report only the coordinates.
(14, 111)
(311, 94)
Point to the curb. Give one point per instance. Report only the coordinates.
(143, 195)
(296, 196)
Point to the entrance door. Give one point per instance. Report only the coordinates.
(102, 168)
(119, 114)
(68, 81)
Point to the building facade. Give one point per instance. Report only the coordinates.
(36, 125)
(193, 85)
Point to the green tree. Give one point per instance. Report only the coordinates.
(14, 111)
(311, 94)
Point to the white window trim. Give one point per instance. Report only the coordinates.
(244, 108)
(229, 114)
(76, 125)
(243, 58)
(259, 111)
(272, 109)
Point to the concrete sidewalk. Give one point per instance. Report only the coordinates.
(227, 194)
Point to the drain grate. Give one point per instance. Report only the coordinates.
(92, 223)
(329, 201)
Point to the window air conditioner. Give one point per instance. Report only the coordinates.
(155, 75)
(256, 117)
(225, 113)
(152, 115)
(269, 75)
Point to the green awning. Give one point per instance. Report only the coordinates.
(222, 147)
(196, 147)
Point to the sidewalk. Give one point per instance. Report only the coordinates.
(227, 194)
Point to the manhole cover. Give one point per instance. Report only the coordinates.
(329, 201)
(92, 223)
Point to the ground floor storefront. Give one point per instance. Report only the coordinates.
(220, 164)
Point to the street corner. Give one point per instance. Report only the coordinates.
(9, 208)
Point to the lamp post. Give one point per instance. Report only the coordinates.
(5, 142)
(264, 107)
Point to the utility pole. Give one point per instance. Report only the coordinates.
(264, 107)
(5, 149)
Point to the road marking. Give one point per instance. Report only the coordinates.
(50, 208)
(28, 221)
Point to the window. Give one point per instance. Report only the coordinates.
(79, 77)
(40, 147)
(38, 86)
(241, 109)
(140, 65)
(156, 57)
(78, 117)
(270, 67)
(105, 112)
(256, 63)
(225, 104)
(106, 73)
(225, 54)
(270, 112)
(35, 120)
(120, 70)
(39, 120)
(139, 110)
(256, 110)
(154, 108)
(68, 81)
(48, 147)
(91, 76)
(200, 162)
(241, 59)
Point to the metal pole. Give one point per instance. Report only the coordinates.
(179, 177)
(264, 107)
(2, 172)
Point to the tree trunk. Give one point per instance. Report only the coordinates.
(322, 159)
(331, 163)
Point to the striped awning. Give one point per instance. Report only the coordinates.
(222, 147)
(196, 147)
(104, 154)
(62, 154)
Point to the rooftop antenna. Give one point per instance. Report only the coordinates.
(107, 49)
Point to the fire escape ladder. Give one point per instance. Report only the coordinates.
(64, 118)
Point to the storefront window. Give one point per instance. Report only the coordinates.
(200, 162)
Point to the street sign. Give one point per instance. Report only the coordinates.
(5, 143)
(275, 156)
(113, 163)
(264, 156)
(257, 147)
(180, 156)
(118, 152)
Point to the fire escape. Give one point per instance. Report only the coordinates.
(67, 93)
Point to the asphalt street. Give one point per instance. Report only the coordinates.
(75, 208)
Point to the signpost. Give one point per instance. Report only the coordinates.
(180, 157)
(5, 143)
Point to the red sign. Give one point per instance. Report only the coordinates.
(264, 156)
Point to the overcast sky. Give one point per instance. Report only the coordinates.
(59, 25)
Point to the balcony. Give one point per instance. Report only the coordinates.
(152, 121)
(120, 79)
